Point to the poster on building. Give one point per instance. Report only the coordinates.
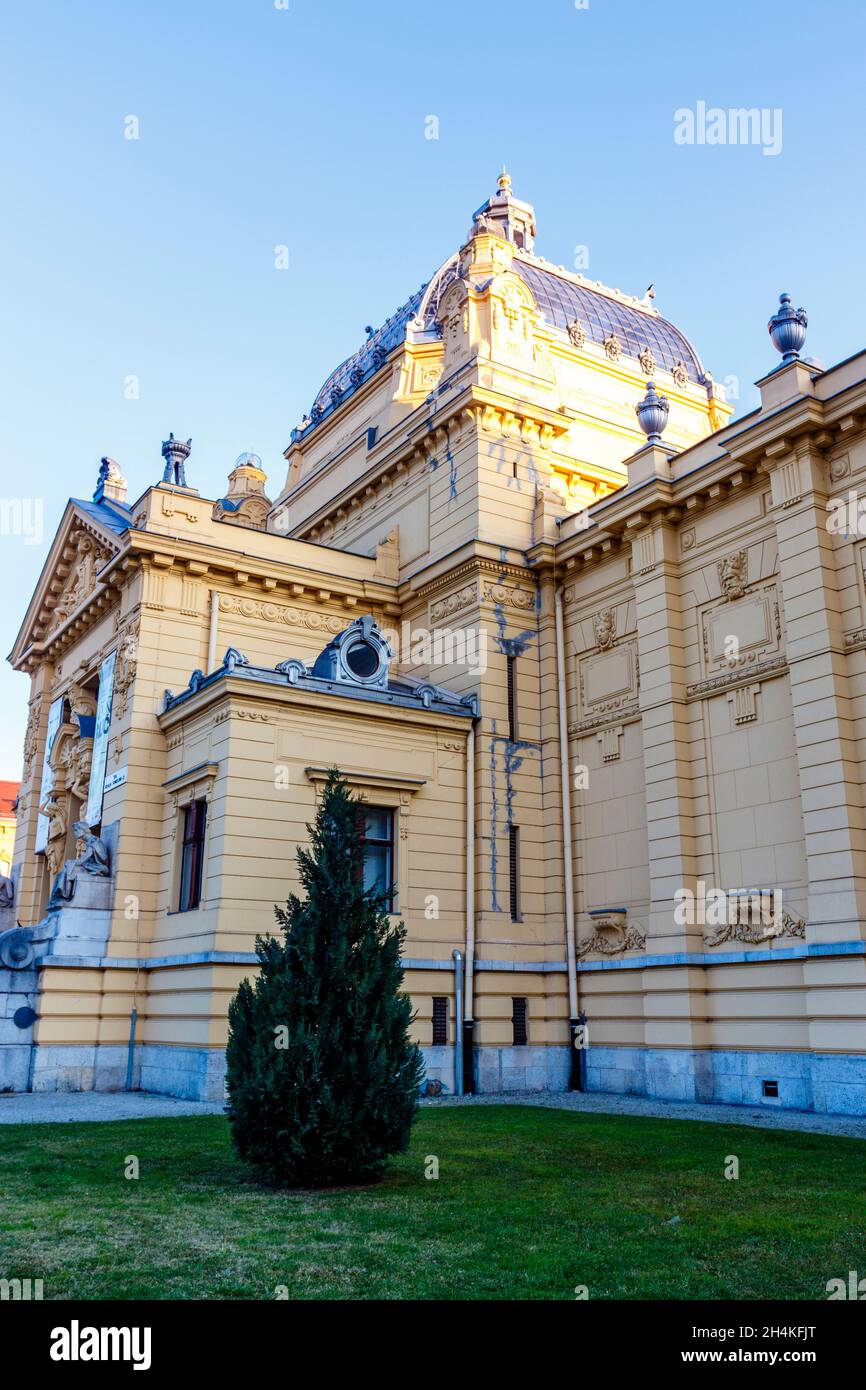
(100, 740)
(55, 717)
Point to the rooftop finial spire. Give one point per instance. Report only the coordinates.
(175, 453)
(504, 180)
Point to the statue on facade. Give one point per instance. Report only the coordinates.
(80, 768)
(92, 858)
(55, 813)
(7, 891)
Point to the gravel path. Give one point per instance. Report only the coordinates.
(52, 1107)
(48, 1107)
(608, 1103)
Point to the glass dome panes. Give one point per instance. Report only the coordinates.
(562, 301)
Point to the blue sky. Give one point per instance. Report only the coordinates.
(305, 127)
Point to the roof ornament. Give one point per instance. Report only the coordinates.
(110, 481)
(175, 453)
(787, 328)
(652, 414)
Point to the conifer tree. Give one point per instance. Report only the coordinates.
(323, 1081)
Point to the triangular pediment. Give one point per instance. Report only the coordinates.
(83, 545)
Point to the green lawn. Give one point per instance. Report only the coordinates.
(529, 1203)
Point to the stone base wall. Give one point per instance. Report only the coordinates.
(521, 1069)
(81, 1067)
(18, 990)
(192, 1073)
(829, 1083)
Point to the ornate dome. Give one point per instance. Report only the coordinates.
(586, 309)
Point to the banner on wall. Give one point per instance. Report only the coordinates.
(96, 785)
(55, 717)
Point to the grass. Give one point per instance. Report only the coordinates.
(529, 1203)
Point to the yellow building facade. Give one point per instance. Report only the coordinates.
(8, 801)
(593, 660)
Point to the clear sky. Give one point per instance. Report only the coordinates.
(304, 124)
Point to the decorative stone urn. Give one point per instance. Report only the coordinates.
(787, 328)
(652, 413)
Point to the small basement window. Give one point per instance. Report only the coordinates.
(518, 1022)
(771, 1089)
(440, 1021)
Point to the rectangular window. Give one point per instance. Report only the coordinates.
(514, 872)
(377, 825)
(440, 1021)
(192, 857)
(518, 1022)
(511, 686)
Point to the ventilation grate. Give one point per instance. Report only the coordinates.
(518, 1022)
(440, 1021)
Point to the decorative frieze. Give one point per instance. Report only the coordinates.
(276, 613)
(524, 599)
(626, 714)
(454, 603)
(714, 685)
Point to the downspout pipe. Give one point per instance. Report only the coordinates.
(576, 1038)
(468, 1023)
(458, 1015)
(212, 631)
(130, 1052)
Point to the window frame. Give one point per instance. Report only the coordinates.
(192, 847)
(390, 844)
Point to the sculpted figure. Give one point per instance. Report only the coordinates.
(92, 858)
(81, 768)
(56, 814)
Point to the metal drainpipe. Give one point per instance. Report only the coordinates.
(130, 1055)
(212, 632)
(576, 1069)
(458, 1015)
(468, 1020)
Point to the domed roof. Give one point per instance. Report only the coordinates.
(562, 298)
(366, 361)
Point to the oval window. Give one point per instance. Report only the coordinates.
(362, 660)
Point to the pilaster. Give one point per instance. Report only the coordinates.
(826, 746)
